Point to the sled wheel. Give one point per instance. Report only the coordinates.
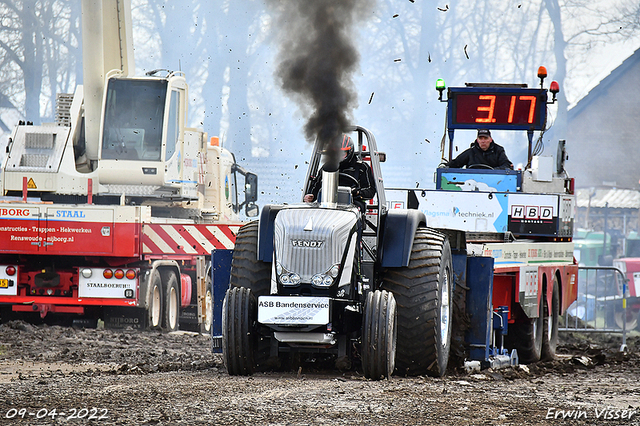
(249, 272)
(154, 302)
(379, 335)
(631, 318)
(551, 320)
(526, 337)
(171, 316)
(239, 311)
(423, 293)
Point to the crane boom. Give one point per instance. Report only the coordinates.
(107, 44)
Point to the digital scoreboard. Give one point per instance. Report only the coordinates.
(504, 108)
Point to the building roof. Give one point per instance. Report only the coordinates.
(616, 198)
(602, 87)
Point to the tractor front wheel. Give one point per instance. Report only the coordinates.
(379, 335)
(239, 312)
(255, 275)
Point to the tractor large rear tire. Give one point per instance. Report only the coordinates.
(239, 311)
(253, 274)
(527, 336)
(246, 270)
(379, 335)
(423, 293)
(551, 323)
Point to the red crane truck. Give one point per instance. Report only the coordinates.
(112, 212)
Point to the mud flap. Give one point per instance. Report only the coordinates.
(189, 318)
(120, 317)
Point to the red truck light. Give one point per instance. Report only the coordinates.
(11, 270)
(119, 274)
(131, 274)
(107, 273)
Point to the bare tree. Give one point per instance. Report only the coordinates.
(211, 42)
(559, 49)
(630, 18)
(39, 46)
(225, 49)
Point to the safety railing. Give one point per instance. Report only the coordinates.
(603, 304)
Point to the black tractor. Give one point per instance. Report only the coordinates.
(358, 283)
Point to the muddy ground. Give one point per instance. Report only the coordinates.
(71, 376)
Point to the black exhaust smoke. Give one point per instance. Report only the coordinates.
(317, 60)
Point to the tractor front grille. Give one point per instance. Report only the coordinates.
(309, 241)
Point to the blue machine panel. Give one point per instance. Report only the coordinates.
(220, 272)
(479, 307)
(473, 180)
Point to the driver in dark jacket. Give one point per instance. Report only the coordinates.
(351, 166)
(483, 152)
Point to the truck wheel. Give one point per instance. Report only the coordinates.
(379, 335)
(171, 314)
(550, 338)
(249, 272)
(239, 313)
(423, 293)
(208, 303)
(154, 302)
(526, 337)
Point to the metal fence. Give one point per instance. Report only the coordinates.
(603, 304)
